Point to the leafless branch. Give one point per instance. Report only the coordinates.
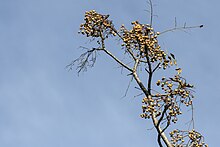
(156, 67)
(141, 85)
(113, 56)
(129, 84)
(158, 124)
(86, 59)
(181, 28)
(117, 60)
(150, 73)
(151, 12)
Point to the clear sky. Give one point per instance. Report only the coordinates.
(44, 105)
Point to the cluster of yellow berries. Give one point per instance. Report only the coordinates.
(193, 138)
(154, 107)
(150, 106)
(96, 24)
(175, 91)
(176, 86)
(143, 39)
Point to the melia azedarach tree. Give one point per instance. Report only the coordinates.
(142, 50)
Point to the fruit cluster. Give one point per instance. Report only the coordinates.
(175, 91)
(96, 24)
(194, 138)
(176, 87)
(150, 107)
(142, 39)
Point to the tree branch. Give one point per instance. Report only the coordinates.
(155, 121)
(146, 92)
(111, 55)
(87, 59)
(150, 73)
(117, 60)
(158, 124)
(181, 28)
(160, 131)
(141, 85)
(156, 67)
(151, 12)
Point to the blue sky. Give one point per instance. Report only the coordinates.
(44, 105)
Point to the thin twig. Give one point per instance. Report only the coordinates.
(86, 59)
(117, 60)
(181, 28)
(151, 13)
(129, 84)
(111, 55)
(156, 67)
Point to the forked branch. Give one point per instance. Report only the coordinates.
(142, 46)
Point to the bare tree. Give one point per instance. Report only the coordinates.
(163, 105)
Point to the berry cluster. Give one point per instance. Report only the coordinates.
(143, 39)
(194, 138)
(96, 24)
(150, 107)
(175, 91)
(176, 87)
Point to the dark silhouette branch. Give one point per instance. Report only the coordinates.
(181, 28)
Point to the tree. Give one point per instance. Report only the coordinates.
(140, 44)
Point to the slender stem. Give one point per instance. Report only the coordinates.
(149, 70)
(116, 59)
(156, 67)
(141, 85)
(111, 55)
(151, 13)
(181, 28)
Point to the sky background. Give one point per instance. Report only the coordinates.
(44, 105)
